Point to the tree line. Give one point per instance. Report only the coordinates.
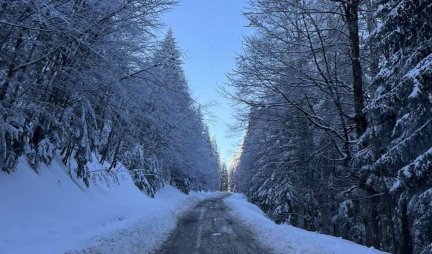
(337, 102)
(90, 78)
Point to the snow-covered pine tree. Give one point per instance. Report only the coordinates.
(223, 178)
(187, 152)
(395, 163)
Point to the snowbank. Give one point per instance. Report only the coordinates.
(48, 212)
(288, 239)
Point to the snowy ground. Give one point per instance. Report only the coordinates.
(287, 239)
(48, 212)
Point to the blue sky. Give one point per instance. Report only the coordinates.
(209, 33)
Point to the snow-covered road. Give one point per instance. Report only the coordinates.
(209, 228)
(221, 224)
(50, 213)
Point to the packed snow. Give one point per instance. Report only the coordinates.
(50, 212)
(288, 239)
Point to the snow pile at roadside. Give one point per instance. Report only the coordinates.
(149, 232)
(289, 239)
(49, 212)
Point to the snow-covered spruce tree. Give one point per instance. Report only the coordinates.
(186, 150)
(395, 162)
(223, 178)
(60, 61)
(271, 185)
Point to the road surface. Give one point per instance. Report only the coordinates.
(209, 229)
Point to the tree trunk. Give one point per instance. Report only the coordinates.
(351, 14)
(406, 244)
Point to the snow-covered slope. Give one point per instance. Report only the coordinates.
(288, 239)
(48, 212)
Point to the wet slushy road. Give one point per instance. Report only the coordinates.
(209, 229)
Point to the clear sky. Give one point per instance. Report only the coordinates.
(209, 33)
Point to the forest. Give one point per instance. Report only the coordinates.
(82, 78)
(336, 98)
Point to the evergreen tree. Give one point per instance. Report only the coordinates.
(395, 161)
(81, 80)
(339, 142)
(186, 140)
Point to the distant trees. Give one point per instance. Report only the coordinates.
(224, 178)
(337, 121)
(83, 77)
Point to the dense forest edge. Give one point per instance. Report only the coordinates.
(338, 98)
(335, 97)
(91, 80)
